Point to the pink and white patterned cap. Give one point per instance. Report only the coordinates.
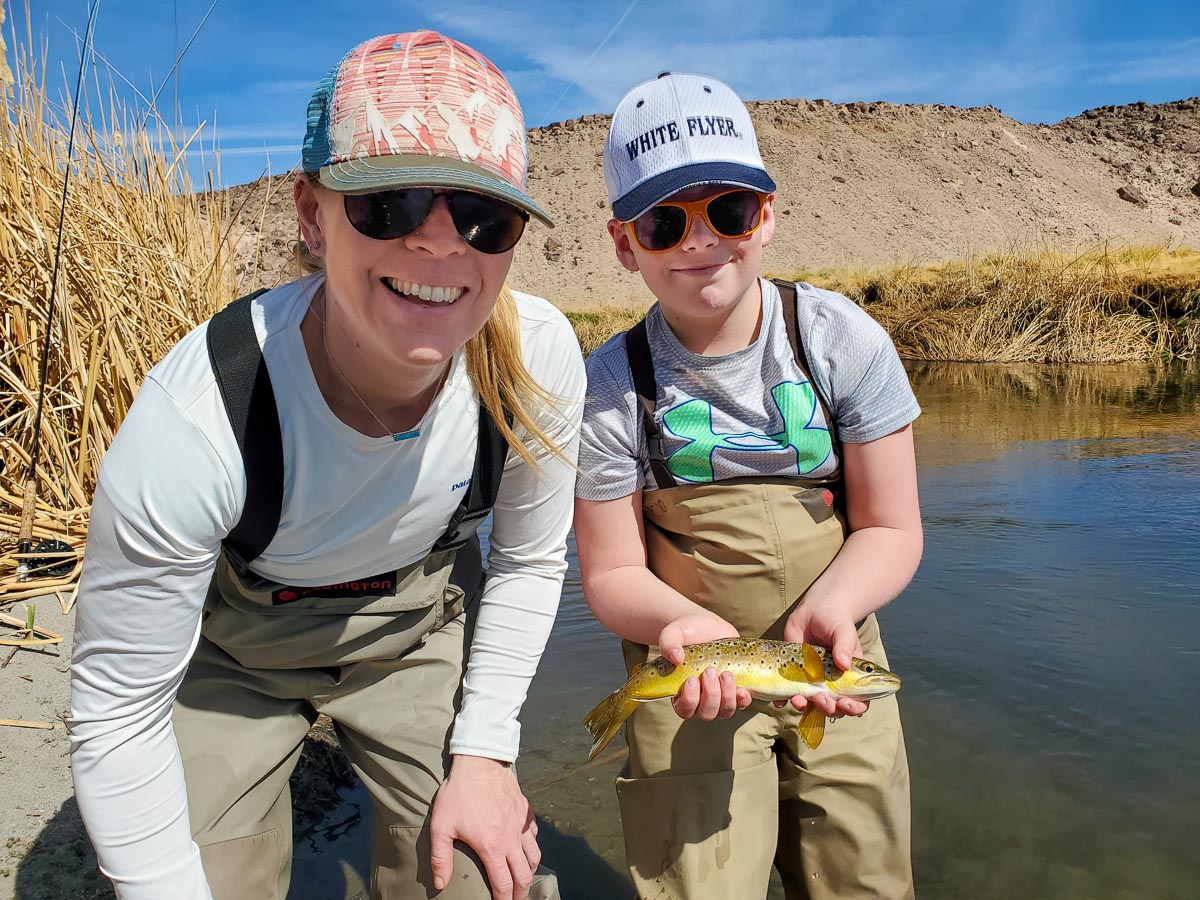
(418, 109)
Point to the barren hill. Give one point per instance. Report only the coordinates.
(865, 184)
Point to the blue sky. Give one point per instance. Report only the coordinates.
(252, 66)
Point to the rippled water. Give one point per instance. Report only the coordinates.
(1049, 645)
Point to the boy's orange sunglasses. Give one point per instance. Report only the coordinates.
(730, 214)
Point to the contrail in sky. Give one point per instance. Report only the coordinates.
(588, 62)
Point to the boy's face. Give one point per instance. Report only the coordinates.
(706, 274)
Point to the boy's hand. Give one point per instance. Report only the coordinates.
(827, 624)
(713, 694)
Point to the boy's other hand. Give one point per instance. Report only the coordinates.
(826, 624)
(714, 693)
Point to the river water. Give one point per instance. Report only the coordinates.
(1049, 647)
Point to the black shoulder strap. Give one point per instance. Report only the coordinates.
(245, 385)
(641, 365)
(485, 484)
(787, 293)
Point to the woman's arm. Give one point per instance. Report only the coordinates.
(163, 502)
(480, 803)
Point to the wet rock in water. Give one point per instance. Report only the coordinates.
(1132, 195)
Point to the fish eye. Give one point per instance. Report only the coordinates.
(868, 668)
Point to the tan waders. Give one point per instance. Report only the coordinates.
(384, 659)
(708, 807)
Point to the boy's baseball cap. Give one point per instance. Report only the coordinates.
(418, 109)
(675, 132)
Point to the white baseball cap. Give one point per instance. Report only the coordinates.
(675, 132)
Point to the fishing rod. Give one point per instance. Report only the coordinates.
(29, 502)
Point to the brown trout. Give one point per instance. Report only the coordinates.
(770, 670)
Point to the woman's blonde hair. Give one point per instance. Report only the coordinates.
(496, 369)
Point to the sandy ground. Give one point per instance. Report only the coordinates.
(43, 850)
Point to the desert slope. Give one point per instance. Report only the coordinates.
(863, 184)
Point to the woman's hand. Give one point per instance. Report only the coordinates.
(827, 624)
(713, 694)
(481, 804)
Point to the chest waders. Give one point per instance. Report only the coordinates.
(382, 656)
(709, 807)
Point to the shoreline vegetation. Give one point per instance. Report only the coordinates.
(145, 257)
(1103, 304)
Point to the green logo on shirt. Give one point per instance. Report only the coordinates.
(692, 421)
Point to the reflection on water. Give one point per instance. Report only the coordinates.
(1049, 647)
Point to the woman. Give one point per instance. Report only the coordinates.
(404, 375)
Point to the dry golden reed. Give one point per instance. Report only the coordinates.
(1102, 305)
(144, 259)
(6, 78)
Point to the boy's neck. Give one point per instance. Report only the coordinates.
(727, 332)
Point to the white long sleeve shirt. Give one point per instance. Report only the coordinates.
(172, 486)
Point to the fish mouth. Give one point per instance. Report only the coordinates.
(875, 689)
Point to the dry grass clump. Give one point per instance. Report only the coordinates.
(6, 78)
(1102, 305)
(143, 261)
(594, 327)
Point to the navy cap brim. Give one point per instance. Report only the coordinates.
(381, 173)
(656, 189)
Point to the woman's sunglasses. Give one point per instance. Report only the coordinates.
(731, 214)
(487, 224)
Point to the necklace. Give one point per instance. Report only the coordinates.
(323, 317)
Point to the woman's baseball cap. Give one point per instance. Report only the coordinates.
(418, 109)
(675, 132)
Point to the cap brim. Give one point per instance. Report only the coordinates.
(656, 189)
(381, 173)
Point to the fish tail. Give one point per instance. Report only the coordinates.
(606, 718)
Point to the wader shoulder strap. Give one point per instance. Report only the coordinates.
(485, 484)
(787, 293)
(245, 385)
(641, 365)
(249, 399)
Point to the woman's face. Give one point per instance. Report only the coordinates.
(373, 285)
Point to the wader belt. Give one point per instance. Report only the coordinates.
(641, 366)
(245, 385)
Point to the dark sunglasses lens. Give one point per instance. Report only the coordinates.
(735, 213)
(487, 224)
(660, 227)
(385, 215)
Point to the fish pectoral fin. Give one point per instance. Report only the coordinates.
(814, 666)
(812, 726)
(812, 671)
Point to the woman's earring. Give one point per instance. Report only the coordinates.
(315, 246)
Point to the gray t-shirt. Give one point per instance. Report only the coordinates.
(750, 412)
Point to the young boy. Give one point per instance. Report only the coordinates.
(736, 480)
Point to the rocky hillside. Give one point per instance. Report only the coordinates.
(859, 184)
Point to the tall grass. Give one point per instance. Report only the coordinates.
(1100, 306)
(143, 260)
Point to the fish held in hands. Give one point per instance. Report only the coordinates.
(770, 670)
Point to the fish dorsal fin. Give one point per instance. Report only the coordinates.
(812, 726)
(814, 666)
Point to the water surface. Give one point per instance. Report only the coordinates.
(1049, 646)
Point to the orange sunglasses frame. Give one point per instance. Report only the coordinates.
(693, 208)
